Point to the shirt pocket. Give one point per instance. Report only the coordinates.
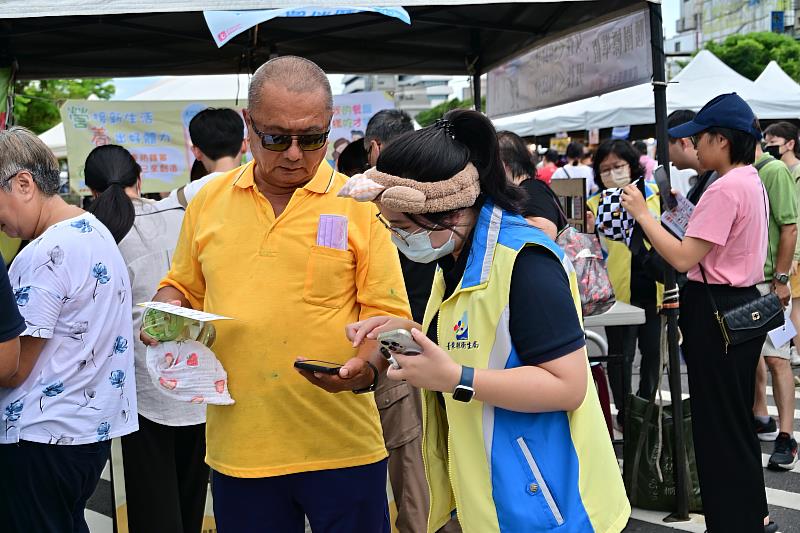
(330, 277)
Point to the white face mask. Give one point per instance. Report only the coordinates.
(418, 248)
(616, 177)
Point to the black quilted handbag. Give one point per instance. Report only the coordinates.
(748, 321)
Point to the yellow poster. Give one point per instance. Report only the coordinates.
(155, 133)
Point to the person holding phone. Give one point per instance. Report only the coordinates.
(630, 269)
(514, 436)
(727, 238)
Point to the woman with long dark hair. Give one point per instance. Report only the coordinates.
(616, 163)
(166, 455)
(723, 251)
(514, 435)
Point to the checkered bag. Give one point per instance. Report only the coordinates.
(612, 219)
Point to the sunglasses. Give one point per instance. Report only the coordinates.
(280, 143)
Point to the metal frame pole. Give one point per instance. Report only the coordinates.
(671, 305)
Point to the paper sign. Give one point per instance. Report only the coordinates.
(225, 25)
(185, 312)
(677, 220)
(782, 335)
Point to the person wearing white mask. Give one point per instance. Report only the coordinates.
(630, 267)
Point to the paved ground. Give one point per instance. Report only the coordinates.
(783, 492)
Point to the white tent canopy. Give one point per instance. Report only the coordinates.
(170, 88)
(705, 77)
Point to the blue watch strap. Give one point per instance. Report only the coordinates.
(467, 376)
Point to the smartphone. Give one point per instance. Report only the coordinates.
(397, 341)
(323, 367)
(664, 188)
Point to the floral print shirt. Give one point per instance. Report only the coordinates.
(71, 286)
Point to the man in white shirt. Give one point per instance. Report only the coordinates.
(218, 142)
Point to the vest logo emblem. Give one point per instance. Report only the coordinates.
(462, 328)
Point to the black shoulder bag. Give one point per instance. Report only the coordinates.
(750, 320)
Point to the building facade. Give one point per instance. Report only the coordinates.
(411, 93)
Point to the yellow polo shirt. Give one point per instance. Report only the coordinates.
(289, 298)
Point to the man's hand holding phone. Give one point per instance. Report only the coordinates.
(355, 374)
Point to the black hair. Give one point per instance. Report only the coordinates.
(787, 131)
(515, 154)
(551, 155)
(353, 159)
(742, 144)
(575, 151)
(625, 151)
(217, 133)
(438, 152)
(387, 124)
(678, 117)
(641, 147)
(108, 171)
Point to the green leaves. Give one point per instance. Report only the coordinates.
(36, 102)
(429, 116)
(749, 54)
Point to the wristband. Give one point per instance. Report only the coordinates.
(373, 385)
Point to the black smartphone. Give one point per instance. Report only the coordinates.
(323, 367)
(664, 188)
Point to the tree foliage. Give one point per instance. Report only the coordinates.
(749, 53)
(429, 116)
(36, 102)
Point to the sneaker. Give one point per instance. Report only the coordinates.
(785, 455)
(768, 431)
(772, 527)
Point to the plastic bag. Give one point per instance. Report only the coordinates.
(188, 371)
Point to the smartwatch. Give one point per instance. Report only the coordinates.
(781, 278)
(464, 391)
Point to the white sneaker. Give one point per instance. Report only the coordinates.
(794, 357)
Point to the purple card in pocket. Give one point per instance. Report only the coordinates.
(332, 232)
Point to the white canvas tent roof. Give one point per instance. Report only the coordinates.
(702, 79)
(171, 88)
(775, 94)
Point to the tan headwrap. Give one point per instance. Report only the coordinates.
(415, 197)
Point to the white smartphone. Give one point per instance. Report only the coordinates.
(397, 341)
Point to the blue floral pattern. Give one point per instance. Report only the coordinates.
(71, 285)
(102, 431)
(120, 345)
(51, 391)
(99, 273)
(82, 225)
(22, 296)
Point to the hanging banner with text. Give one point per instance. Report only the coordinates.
(155, 133)
(6, 87)
(601, 59)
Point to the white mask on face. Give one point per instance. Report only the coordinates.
(616, 177)
(418, 248)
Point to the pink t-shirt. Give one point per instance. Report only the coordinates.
(732, 214)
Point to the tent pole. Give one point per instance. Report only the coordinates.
(475, 69)
(476, 90)
(671, 305)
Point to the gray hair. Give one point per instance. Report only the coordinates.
(296, 74)
(21, 149)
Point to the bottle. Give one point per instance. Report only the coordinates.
(165, 327)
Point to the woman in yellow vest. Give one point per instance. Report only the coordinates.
(616, 163)
(514, 438)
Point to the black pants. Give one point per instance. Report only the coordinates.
(166, 478)
(722, 388)
(44, 487)
(622, 341)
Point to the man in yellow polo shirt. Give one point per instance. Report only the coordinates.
(271, 245)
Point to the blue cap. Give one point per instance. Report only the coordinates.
(724, 111)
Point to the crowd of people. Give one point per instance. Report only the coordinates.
(444, 233)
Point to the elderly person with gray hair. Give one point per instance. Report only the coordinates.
(74, 387)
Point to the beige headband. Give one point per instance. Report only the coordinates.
(415, 197)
